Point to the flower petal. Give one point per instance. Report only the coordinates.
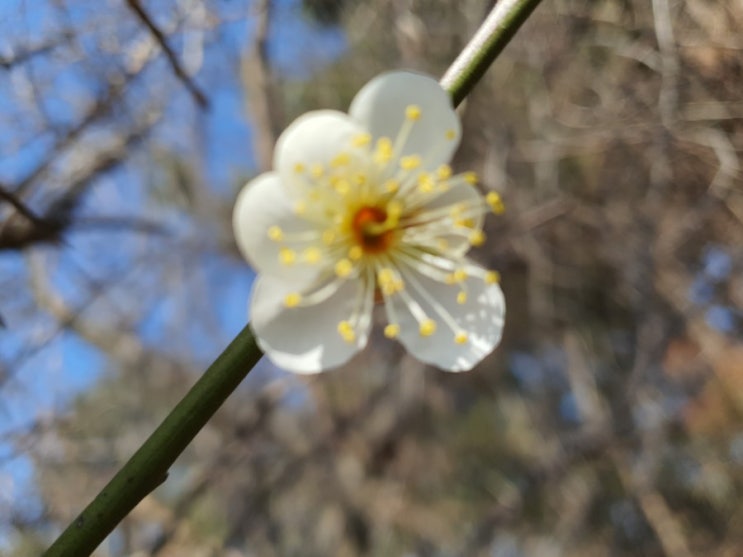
(315, 138)
(306, 339)
(263, 206)
(381, 105)
(481, 317)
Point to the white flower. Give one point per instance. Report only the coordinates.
(361, 208)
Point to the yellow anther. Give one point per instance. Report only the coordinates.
(450, 279)
(300, 207)
(412, 112)
(410, 162)
(427, 327)
(298, 168)
(495, 202)
(477, 238)
(361, 140)
(287, 256)
(492, 277)
(345, 329)
(275, 233)
(451, 134)
(460, 275)
(342, 187)
(394, 210)
(317, 170)
(355, 253)
(442, 244)
(341, 159)
(461, 338)
(392, 330)
(292, 300)
(465, 223)
(462, 298)
(386, 275)
(343, 268)
(386, 279)
(443, 172)
(391, 186)
(383, 152)
(312, 255)
(426, 184)
(470, 177)
(328, 237)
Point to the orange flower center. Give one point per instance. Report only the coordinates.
(372, 230)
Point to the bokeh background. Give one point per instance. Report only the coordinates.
(609, 422)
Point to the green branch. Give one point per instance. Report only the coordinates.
(149, 466)
(491, 38)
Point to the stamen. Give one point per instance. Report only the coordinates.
(298, 168)
(462, 297)
(392, 330)
(427, 328)
(292, 300)
(345, 329)
(361, 140)
(342, 187)
(443, 172)
(413, 112)
(275, 233)
(492, 277)
(328, 237)
(312, 255)
(426, 184)
(383, 151)
(389, 281)
(477, 238)
(461, 338)
(316, 170)
(343, 268)
(287, 256)
(355, 253)
(341, 159)
(391, 186)
(451, 135)
(495, 202)
(470, 178)
(410, 162)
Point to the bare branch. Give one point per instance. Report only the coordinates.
(144, 17)
(258, 82)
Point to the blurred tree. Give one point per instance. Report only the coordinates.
(608, 423)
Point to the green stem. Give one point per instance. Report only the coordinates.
(491, 38)
(148, 467)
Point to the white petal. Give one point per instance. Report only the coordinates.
(481, 318)
(263, 204)
(380, 108)
(461, 194)
(306, 339)
(314, 138)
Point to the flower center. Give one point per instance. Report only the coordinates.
(373, 228)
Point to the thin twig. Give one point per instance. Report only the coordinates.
(145, 18)
(19, 206)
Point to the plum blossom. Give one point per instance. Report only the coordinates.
(363, 208)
